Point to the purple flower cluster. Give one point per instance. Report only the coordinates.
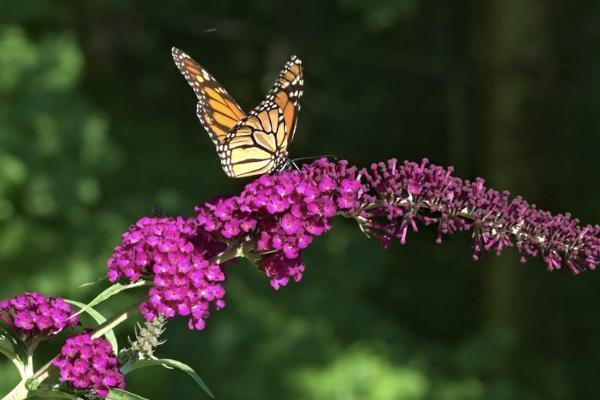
(150, 241)
(425, 193)
(171, 253)
(277, 216)
(282, 213)
(89, 364)
(34, 316)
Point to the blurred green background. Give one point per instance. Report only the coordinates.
(97, 127)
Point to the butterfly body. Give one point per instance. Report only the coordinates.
(252, 144)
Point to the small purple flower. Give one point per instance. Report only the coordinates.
(89, 364)
(34, 316)
(290, 224)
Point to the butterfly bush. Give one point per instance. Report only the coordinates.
(277, 216)
(34, 317)
(89, 364)
(184, 261)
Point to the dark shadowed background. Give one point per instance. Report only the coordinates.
(97, 128)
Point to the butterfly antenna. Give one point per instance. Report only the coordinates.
(157, 211)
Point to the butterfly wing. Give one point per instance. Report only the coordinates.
(259, 143)
(254, 146)
(217, 110)
(286, 93)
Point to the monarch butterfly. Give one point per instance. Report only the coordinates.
(252, 144)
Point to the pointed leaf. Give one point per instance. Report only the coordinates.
(9, 335)
(99, 318)
(119, 394)
(101, 279)
(7, 349)
(109, 292)
(12, 348)
(166, 362)
(6, 344)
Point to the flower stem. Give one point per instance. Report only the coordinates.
(116, 320)
(29, 365)
(234, 250)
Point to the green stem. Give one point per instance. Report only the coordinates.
(235, 250)
(29, 365)
(116, 320)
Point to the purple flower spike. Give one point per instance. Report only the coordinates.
(496, 221)
(389, 201)
(277, 216)
(89, 364)
(35, 317)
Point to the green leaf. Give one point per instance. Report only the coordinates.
(12, 356)
(12, 348)
(9, 335)
(165, 362)
(6, 344)
(118, 394)
(101, 279)
(109, 292)
(99, 318)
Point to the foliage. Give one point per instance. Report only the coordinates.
(54, 153)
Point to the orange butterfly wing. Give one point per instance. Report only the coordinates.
(286, 93)
(247, 145)
(256, 146)
(259, 143)
(217, 110)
